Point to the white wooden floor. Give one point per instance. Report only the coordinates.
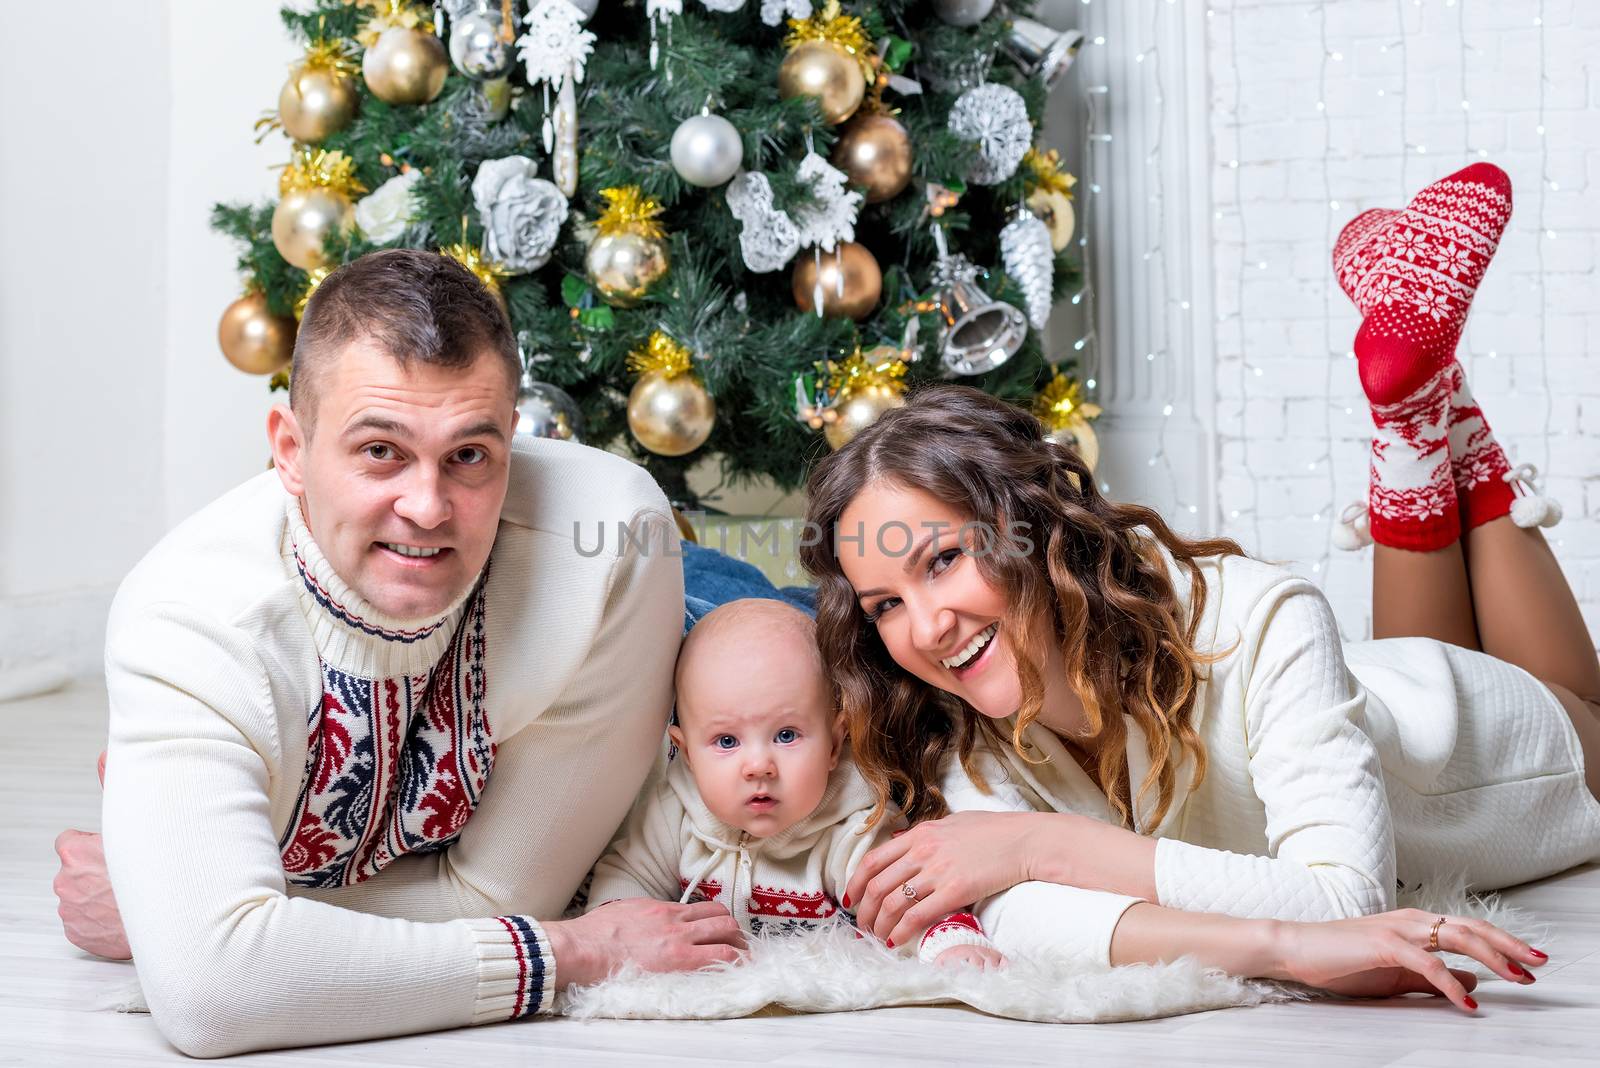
(47, 987)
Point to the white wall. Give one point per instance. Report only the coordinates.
(1393, 121)
(83, 199)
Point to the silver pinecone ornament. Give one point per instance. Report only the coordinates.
(1030, 262)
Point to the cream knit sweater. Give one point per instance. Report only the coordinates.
(1334, 769)
(324, 825)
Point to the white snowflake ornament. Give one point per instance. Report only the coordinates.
(833, 216)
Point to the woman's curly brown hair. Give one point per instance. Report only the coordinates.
(1127, 642)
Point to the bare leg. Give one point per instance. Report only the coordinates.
(1423, 595)
(1525, 610)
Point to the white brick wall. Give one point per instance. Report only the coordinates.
(1291, 423)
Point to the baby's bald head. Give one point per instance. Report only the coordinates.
(752, 642)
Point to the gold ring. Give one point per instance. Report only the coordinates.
(1433, 935)
(909, 890)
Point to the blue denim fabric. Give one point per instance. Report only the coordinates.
(711, 578)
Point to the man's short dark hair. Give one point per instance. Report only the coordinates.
(415, 305)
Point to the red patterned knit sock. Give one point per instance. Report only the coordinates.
(1413, 275)
(1411, 503)
(1477, 462)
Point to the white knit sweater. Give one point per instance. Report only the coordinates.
(673, 847)
(1334, 769)
(322, 824)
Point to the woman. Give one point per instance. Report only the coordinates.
(1179, 722)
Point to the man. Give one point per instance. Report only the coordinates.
(374, 714)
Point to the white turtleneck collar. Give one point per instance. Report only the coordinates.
(350, 633)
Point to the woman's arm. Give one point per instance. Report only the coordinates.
(1370, 956)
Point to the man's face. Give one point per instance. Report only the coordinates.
(404, 476)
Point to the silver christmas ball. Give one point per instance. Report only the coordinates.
(706, 150)
(962, 12)
(586, 8)
(476, 48)
(544, 411)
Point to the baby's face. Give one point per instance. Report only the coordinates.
(758, 731)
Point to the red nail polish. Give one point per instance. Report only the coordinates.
(1541, 956)
(1518, 969)
(889, 943)
(1473, 1005)
(847, 901)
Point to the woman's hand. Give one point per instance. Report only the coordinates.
(1391, 953)
(948, 863)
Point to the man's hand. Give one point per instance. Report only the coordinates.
(658, 936)
(984, 958)
(88, 908)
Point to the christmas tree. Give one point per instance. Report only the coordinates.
(729, 227)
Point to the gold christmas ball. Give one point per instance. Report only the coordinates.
(875, 152)
(302, 221)
(858, 410)
(405, 66)
(1055, 211)
(826, 72)
(852, 298)
(624, 266)
(1078, 435)
(316, 103)
(253, 339)
(671, 416)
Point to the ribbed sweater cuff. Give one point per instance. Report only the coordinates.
(958, 929)
(516, 970)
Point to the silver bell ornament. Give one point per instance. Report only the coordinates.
(476, 47)
(706, 150)
(979, 332)
(962, 12)
(545, 411)
(1041, 52)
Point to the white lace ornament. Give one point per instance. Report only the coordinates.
(995, 117)
(769, 238)
(832, 217)
(724, 7)
(774, 11)
(1030, 261)
(554, 50)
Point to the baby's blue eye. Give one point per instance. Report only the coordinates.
(725, 741)
(785, 736)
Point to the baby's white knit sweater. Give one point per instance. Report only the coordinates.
(322, 824)
(674, 848)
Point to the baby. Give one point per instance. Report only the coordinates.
(761, 810)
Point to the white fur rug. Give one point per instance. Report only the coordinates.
(834, 971)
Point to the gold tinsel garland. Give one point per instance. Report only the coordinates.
(485, 270)
(660, 355)
(629, 211)
(1044, 172)
(320, 169)
(331, 54)
(314, 278)
(1061, 403)
(856, 372)
(842, 31)
(388, 14)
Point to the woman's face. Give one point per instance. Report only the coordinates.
(940, 619)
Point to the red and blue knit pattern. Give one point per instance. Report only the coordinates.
(393, 766)
(530, 965)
